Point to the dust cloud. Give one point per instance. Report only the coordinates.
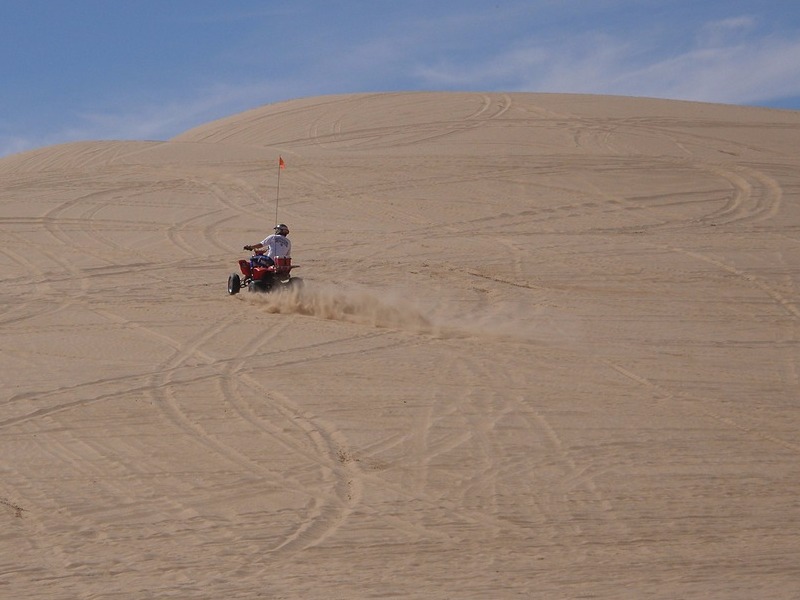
(437, 318)
(354, 305)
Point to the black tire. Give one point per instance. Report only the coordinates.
(259, 286)
(234, 283)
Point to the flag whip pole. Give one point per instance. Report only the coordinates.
(281, 166)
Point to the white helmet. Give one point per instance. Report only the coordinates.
(281, 229)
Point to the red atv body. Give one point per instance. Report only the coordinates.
(260, 278)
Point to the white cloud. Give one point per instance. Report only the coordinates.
(747, 73)
(150, 121)
(726, 64)
(11, 144)
(725, 31)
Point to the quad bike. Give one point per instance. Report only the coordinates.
(259, 278)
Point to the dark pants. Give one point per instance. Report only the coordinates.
(261, 261)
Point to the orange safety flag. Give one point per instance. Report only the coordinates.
(281, 164)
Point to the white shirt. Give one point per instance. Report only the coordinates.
(277, 245)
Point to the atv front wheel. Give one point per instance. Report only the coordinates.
(234, 283)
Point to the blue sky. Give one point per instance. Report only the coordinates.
(149, 69)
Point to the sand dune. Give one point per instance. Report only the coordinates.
(548, 346)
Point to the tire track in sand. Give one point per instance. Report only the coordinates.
(699, 406)
(402, 135)
(325, 446)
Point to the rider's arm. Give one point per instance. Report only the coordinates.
(254, 246)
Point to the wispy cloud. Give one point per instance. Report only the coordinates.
(149, 120)
(11, 144)
(743, 74)
(725, 31)
(726, 63)
(165, 119)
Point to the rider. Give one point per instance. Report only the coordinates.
(276, 244)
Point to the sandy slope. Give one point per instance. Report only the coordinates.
(548, 347)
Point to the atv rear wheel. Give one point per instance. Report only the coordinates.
(234, 283)
(259, 286)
